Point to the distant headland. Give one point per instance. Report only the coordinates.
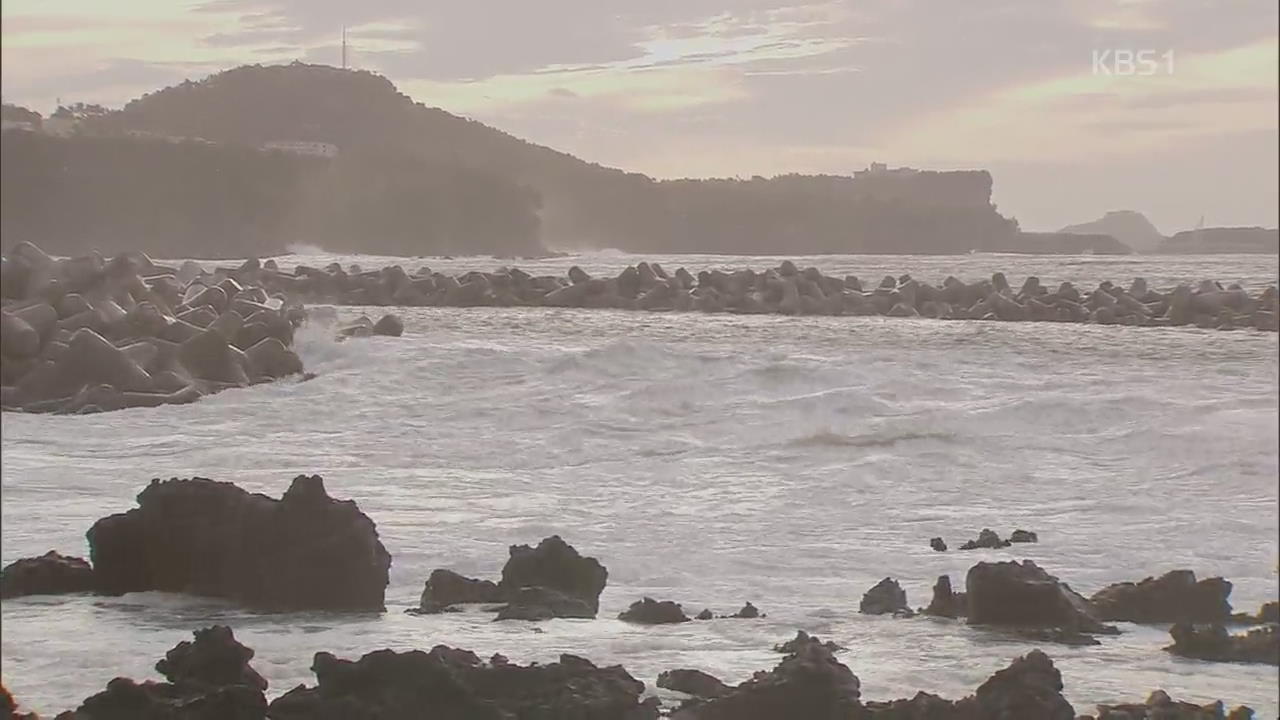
(250, 160)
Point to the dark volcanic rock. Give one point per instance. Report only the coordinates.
(1159, 706)
(986, 539)
(704, 615)
(540, 603)
(747, 612)
(648, 611)
(938, 544)
(198, 536)
(887, 597)
(446, 587)
(946, 602)
(49, 574)
(555, 565)
(390, 325)
(450, 684)
(209, 679)
(809, 683)
(803, 639)
(1022, 594)
(213, 659)
(1175, 596)
(1023, 536)
(1214, 643)
(1031, 687)
(693, 682)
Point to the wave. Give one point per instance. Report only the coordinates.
(826, 438)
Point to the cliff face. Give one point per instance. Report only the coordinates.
(1129, 227)
(1224, 240)
(193, 199)
(399, 159)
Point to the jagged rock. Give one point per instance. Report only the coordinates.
(887, 597)
(986, 539)
(555, 565)
(747, 612)
(809, 683)
(802, 639)
(938, 544)
(1031, 687)
(1023, 536)
(446, 587)
(648, 611)
(198, 536)
(213, 659)
(208, 679)
(704, 615)
(1212, 642)
(1022, 594)
(1175, 596)
(692, 682)
(49, 574)
(946, 602)
(456, 685)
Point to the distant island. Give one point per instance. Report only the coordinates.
(1134, 230)
(251, 160)
(1223, 240)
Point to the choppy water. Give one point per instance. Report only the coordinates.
(792, 462)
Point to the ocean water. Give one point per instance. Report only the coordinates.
(707, 459)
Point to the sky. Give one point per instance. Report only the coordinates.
(1039, 92)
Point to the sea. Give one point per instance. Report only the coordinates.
(792, 462)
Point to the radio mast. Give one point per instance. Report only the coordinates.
(344, 47)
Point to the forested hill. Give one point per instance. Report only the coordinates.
(562, 200)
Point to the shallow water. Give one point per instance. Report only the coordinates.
(709, 459)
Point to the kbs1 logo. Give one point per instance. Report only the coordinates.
(1130, 62)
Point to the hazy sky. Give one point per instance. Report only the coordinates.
(678, 88)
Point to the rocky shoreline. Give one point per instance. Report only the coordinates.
(210, 678)
(785, 290)
(310, 551)
(89, 334)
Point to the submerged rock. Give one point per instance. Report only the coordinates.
(1023, 536)
(937, 544)
(304, 551)
(803, 639)
(648, 611)
(693, 682)
(1212, 642)
(390, 325)
(541, 603)
(1175, 596)
(1159, 706)
(453, 684)
(49, 574)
